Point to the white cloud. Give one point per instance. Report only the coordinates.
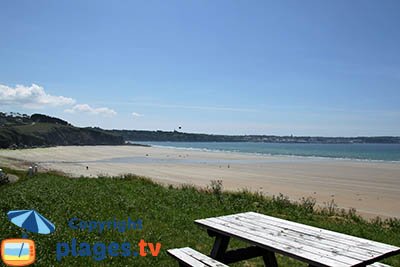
(85, 108)
(136, 115)
(33, 96)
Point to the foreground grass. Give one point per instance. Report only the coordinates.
(167, 213)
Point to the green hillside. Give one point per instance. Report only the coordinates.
(18, 131)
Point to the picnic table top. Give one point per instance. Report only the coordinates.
(316, 246)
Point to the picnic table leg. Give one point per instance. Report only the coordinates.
(220, 246)
(270, 259)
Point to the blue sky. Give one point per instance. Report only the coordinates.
(234, 67)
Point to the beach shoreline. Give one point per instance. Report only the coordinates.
(372, 188)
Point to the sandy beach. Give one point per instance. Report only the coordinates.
(372, 188)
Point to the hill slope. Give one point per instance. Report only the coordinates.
(41, 130)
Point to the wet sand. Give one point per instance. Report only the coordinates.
(372, 188)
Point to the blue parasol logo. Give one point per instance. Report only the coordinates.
(22, 252)
(32, 221)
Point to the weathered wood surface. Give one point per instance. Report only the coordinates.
(316, 246)
(378, 264)
(191, 257)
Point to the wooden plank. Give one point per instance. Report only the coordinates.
(295, 251)
(352, 248)
(385, 250)
(274, 234)
(203, 258)
(183, 257)
(303, 239)
(378, 264)
(254, 225)
(191, 257)
(285, 244)
(277, 230)
(327, 234)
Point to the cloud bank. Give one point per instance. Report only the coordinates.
(33, 96)
(85, 108)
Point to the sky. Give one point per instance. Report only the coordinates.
(329, 68)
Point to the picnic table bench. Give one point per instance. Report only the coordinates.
(268, 235)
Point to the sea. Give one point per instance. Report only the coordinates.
(367, 152)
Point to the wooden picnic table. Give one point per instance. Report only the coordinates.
(269, 235)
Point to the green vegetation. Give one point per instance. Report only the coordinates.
(18, 131)
(167, 213)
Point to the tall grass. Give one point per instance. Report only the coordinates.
(167, 213)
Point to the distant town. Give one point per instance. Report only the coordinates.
(176, 136)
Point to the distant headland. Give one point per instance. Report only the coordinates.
(38, 130)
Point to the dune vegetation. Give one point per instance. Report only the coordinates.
(167, 213)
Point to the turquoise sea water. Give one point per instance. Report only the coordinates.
(379, 152)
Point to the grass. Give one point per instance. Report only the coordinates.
(167, 213)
